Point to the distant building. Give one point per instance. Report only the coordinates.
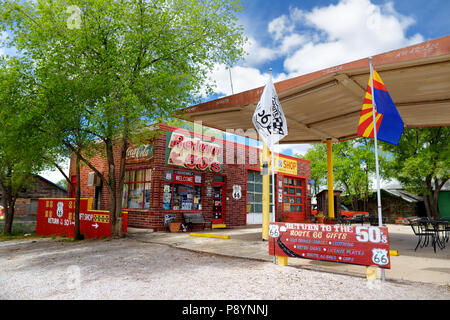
(397, 202)
(39, 187)
(444, 201)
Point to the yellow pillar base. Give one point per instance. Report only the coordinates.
(282, 261)
(371, 273)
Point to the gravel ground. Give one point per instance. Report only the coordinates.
(129, 269)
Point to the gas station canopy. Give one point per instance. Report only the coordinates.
(327, 104)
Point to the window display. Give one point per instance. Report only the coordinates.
(182, 190)
(293, 195)
(136, 190)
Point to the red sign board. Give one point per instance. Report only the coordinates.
(362, 245)
(57, 217)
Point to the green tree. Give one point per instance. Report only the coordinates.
(318, 157)
(136, 62)
(21, 146)
(421, 162)
(353, 168)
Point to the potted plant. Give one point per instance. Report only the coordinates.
(173, 225)
(320, 217)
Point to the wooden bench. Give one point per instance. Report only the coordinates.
(191, 218)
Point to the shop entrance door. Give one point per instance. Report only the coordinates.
(218, 200)
(293, 199)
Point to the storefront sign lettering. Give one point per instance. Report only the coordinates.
(140, 152)
(283, 165)
(57, 217)
(362, 245)
(179, 178)
(193, 153)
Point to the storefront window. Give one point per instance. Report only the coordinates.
(136, 191)
(254, 191)
(182, 190)
(293, 195)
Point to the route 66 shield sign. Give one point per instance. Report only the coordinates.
(60, 210)
(237, 192)
(274, 231)
(380, 257)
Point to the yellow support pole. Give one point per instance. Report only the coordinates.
(265, 197)
(330, 179)
(282, 261)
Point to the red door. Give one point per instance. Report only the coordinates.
(219, 200)
(293, 199)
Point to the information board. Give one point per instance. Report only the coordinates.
(362, 245)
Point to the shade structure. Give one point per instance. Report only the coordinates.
(326, 104)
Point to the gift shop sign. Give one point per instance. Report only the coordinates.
(57, 217)
(362, 245)
(283, 165)
(193, 153)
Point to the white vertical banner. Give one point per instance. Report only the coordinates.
(268, 118)
(270, 122)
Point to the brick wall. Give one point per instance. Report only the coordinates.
(235, 174)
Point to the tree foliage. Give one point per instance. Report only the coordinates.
(21, 146)
(421, 162)
(111, 67)
(353, 168)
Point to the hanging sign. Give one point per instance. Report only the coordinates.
(139, 153)
(193, 153)
(362, 245)
(283, 165)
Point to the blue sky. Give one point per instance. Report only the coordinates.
(303, 36)
(299, 37)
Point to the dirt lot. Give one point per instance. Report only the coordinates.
(130, 269)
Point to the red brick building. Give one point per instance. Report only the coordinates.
(182, 171)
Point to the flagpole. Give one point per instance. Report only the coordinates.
(380, 220)
(273, 174)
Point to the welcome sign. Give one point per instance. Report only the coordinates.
(193, 153)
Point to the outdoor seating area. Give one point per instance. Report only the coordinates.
(431, 232)
(361, 219)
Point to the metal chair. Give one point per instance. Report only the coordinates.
(420, 230)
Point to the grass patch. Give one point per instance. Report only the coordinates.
(20, 230)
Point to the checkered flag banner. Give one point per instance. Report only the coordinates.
(268, 118)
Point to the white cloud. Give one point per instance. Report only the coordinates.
(243, 78)
(349, 30)
(292, 41)
(308, 41)
(294, 148)
(257, 54)
(279, 26)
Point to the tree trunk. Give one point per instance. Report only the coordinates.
(123, 155)
(77, 233)
(113, 194)
(8, 203)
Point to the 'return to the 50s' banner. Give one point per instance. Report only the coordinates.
(362, 245)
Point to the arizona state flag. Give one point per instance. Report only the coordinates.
(389, 124)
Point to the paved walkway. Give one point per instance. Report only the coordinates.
(245, 242)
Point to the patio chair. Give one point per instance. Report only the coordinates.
(419, 228)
